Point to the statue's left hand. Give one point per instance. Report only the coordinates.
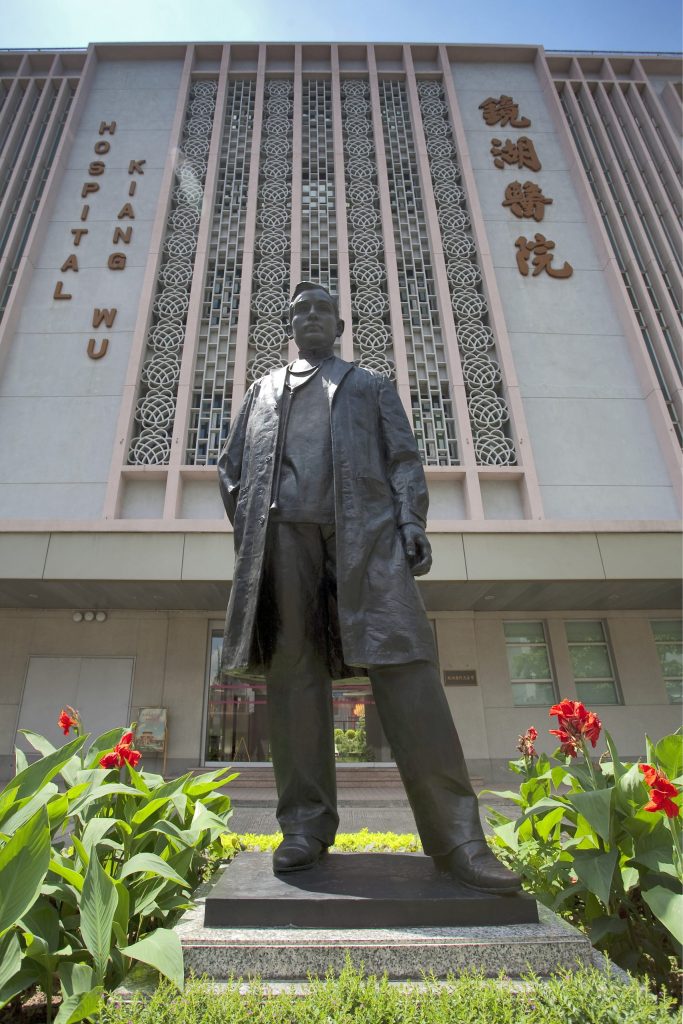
(417, 548)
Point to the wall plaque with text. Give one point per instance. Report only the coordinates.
(460, 677)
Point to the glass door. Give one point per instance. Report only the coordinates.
(237, 718)
(236, 715)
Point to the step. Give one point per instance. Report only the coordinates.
(349, 779)
(347, 775)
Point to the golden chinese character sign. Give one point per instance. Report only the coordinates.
(524, 200)
(540, 248)
(503, 111)
(522, 152)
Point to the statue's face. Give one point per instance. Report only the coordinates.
(315, 323)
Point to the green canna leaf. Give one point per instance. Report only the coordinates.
(160, 949)
(596, 807)
(10, 957)
(78, 1006)
(24, 862)
(667, 906)
(669, 755)
(99, 900)
(27, 782)
(150, 862)
(596, 870)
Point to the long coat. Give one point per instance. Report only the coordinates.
(379, 485)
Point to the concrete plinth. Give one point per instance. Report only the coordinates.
(407, 951)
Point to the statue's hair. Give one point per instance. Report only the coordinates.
(309, 286)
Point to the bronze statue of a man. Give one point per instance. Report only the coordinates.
(322, 481)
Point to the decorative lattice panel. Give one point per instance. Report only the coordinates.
(10, 108)
(373, 347)
(644, 263)
(487, 408)
(625, 110)
(10, 154)
(270, 291)
(214, 369)
(433, 419)
(318, 196)
(155, 409)
(31, 185)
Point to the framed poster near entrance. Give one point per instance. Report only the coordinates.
(151, 732)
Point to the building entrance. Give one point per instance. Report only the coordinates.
(237, 720)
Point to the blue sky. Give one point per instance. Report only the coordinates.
(642, 25)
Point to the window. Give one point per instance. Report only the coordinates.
(668, 635)
(529, 664)
(591, 662)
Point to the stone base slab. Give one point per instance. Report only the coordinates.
(292, 954)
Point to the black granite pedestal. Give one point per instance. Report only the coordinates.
(355, 890)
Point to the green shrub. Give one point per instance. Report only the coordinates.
(345, 842)
(590, 845)
(232, 843)
(93, 875)
(351, 744)
(587, 996)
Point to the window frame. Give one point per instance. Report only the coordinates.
(606, 643)
(673, 703)
(549, 654)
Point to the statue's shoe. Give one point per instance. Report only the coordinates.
(297, 853)
(473, 865)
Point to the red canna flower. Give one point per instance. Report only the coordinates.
(131, 756)
(592, 727)
(568, 743)
(661, 791)
(122, 753)
(565, 709)
(525, 744)
(575, 723)
(68, 721)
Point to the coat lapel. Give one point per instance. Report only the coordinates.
(334, 371)
(277, 383)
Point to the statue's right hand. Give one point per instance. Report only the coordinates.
(417, 548)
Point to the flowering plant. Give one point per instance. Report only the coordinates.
(661, 791)
(68, 720)
(600, 842)
(122, 753)
(525, 744)
(575, 726)
(93, 874)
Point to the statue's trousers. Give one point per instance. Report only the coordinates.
(299, 579)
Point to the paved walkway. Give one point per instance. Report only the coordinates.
(381, 808)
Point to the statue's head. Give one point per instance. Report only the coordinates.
(314, 319)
